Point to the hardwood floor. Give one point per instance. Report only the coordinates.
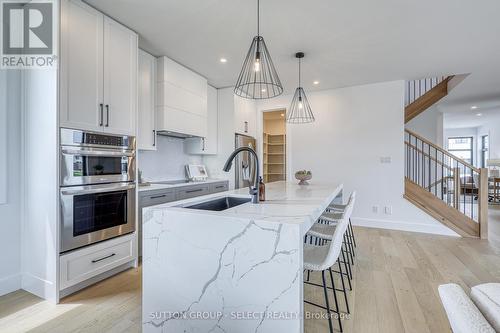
(396, 276)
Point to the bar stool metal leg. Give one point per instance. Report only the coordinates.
(343, 286)
(327, 302)
(346, 267)
(352, 233)
(335, 298)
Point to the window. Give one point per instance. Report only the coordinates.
(462, 147)
(485, 146)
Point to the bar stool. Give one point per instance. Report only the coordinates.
(340, 208)
(321, 259)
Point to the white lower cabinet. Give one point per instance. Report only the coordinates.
(90, 261)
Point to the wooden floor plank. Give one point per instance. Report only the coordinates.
(396, 276)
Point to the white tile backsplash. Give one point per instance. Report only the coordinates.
(167, 162)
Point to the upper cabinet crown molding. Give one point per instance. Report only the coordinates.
(98, 71)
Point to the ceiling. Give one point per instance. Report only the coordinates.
(463, 117)
(346, 42)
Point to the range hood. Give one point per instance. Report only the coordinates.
(176, 134)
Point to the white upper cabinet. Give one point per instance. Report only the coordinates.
(120, 78)
(98, 75)
(146, 130)
(81, 66)
(245, 116)
(181, 99)
(208, 144)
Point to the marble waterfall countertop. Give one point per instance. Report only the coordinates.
(237, 270)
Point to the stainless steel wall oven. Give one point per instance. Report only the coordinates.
(97, 194)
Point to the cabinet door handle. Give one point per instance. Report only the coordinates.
(192, 191)
(154, 138)
(101, 259)
(246, 126)
(203, 147)
(220, 186)
(107, 115)
(102, 114)
(158, 196)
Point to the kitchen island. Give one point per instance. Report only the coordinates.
(234, 270)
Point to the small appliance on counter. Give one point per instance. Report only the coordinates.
(196, 172)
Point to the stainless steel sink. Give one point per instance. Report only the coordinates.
(220, 204)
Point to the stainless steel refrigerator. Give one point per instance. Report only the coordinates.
(243, 173)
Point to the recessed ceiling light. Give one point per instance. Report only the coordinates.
(479, 114)
(282, 114)
(316, 82)
(223, 60)
(473, 107)
(263, 90)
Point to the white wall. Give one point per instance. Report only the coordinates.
(167, 162)
(428, 124)
(10, 209)
(492, 128)
(354, 128)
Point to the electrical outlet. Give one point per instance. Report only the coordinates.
(375, 209)
(388, 210)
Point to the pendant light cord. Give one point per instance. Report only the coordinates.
(299, 72)
(258, 17)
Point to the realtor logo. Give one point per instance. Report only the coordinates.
(27, 34)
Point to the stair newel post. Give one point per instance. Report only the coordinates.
(483, 203)
(456, 188)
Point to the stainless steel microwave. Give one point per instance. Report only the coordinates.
(96, 158)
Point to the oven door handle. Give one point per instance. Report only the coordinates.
(96, 153)
(97, 190)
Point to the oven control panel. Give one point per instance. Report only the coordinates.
(99, 139)
(70, 137)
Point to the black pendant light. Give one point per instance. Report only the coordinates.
(300, 111)
(258, 78)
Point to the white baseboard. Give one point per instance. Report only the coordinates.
(10, 283)
(39, 287)
(436, 229)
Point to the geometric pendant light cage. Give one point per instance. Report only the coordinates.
(300, 111)
(258, 78)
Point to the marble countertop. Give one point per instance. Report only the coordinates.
(286, 202)
(244, 260)
(154, 187)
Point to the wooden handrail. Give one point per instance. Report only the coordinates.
(433, 145)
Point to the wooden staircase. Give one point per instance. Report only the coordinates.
(422, 94)
(447, 188)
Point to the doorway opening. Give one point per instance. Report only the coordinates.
(274, 146)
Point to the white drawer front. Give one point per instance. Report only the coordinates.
(80, 265)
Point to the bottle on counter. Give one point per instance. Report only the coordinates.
(262, 190)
